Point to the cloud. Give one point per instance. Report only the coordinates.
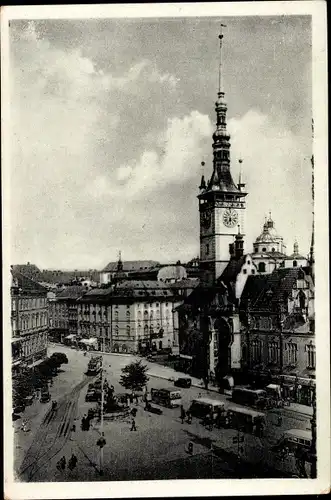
(105, 160)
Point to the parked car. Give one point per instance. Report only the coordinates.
(45, 397)
(18, 409)
(183, 382)
(93, 396)
(28, 400)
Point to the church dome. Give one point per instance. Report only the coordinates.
(269, 233)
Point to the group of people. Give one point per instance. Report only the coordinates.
(72, 462)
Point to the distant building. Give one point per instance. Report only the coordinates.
(131, 269)
(130, 316)
(269, 250)
(29, 321)
(295, 259)
(171, 274)
(278, 331)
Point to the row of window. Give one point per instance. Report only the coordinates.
(34, 320)
(290, 354)
(24, 304)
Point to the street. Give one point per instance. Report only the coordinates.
(157, 450)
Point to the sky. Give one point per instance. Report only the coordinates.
(111, 119)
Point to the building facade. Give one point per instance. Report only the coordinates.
(278, 331)
(130, 316)
(63, 312)
(29, 321)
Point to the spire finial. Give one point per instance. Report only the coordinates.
(119, 255)
(220, 82)
(240, 171)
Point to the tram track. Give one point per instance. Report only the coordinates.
(52, 434)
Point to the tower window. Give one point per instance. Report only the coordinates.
(244, 271)
(207, 249)
(273, 250)
(264, 249)
(295, 263)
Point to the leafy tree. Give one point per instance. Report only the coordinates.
(59, 358)
(22, 385)
(134, 376)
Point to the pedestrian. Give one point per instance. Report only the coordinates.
(182, 414)
(189, 417)
(63, 463)
(72, 462)
(279, 421)
(136, 398)
(210, 421)
(133, 426)
(199, 395)
(73, 430)
(24, 425)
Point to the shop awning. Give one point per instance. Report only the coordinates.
(70, 337)
(35, 363)
(91, 341)
(185, 356)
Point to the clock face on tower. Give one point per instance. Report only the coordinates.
(206, 219)
(230, 217)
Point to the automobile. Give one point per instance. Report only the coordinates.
(93, 396)
(18, 409)
(45, 397)
(28, 400)
(183, 382)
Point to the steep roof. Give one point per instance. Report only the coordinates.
(29, 270)
(131, 265)
(232, 270)
(27, 285)
(266, 291)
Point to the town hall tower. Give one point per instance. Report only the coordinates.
(221, 201)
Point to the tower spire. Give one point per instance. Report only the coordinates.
(220, 75)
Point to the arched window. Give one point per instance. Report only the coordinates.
(264, 249)
(152, 314)
(261, 267)
(295, 264)
(116, 329)
(128, 314)
(128, 330)
(139, 314)
(146, 329)
(145, 314)
(273, 249)
(302, 300)
(116, 316)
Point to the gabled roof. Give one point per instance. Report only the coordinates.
(27, 285)
(131, 265)
(232, 270)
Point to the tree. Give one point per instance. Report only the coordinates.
(134, 376)
(22, 385)
(59, 358)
